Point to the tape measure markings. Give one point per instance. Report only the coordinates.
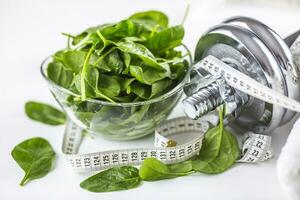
(256, 148)
(106, 159)
(244, 83)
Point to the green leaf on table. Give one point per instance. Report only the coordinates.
(44, 113)
(185, 167)
(35, 156)
(219, 150)
(153, 169)
(114, 179)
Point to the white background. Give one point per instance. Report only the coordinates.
(30, 31)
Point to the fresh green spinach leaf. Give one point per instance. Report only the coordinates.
(140, 51)
(154, 16)
(114, 179)
(160, 86)
(83, 73)
(219, 150)
(123, 29)
(44, 113)
(59, 75)
(93, 87)
(114, 62)
(141, 90)
(137, 116)
(153, 169)
(35, 156)
(147, 75)
(165, 40)
(109, 85)
(126, 58)
(74, 60)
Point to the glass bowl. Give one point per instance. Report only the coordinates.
(118, 121)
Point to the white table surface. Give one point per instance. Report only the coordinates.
(30, 31)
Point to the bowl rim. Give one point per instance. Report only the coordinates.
(173, 91)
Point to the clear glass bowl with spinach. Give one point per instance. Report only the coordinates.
(120, 79)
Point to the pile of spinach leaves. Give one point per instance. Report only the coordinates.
(133, 60)
(128, 61)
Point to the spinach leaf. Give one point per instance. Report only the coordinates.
(114, 179)
(78, 38)
(141, 90)
(74, 60)
(59, 75)
(123, 29)
(140, 51)
(114, 62)
(88, 41)
(44, 113)
(219, 150)
(153, 169)
(137, 72)
(156, 17)
(126, 58)
(124, 82)
(92, 85)
(147, 75)
(165, 40)
(35, 156)
(137, 116)
(102, 65)
(109, 85)
(160, 86)
(182, 167)
(84, 72)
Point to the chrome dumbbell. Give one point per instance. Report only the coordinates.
(256, 50)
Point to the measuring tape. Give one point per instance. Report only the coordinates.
(107, 159)
(255, 148)
(244, 83)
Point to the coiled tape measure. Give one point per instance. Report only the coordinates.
(255, 148)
